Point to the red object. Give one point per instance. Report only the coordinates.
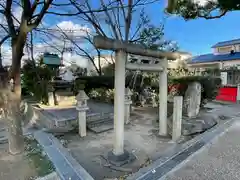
(227, 94)
(175, 87)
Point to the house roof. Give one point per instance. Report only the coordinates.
(215, 58)
(227, 43)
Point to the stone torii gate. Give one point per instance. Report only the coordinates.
(121, 49)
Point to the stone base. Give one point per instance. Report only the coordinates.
(120, 160)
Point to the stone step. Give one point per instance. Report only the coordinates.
(101, 125)
(102, 128)
(99, 116)
(99, 122)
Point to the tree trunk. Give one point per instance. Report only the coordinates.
(15, 140)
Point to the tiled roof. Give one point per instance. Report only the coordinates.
(227, 43)
(214, 58)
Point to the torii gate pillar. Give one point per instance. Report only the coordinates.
(119, 155)
(119, 98)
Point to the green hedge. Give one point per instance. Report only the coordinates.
(210, 86)
(94, 82)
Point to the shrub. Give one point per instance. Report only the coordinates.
(35, 80)
(102, 94)
(78, 85)
(210, 86)
(94, 82)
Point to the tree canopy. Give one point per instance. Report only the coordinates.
(208, 9)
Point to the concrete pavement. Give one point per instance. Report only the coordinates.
(219, 160)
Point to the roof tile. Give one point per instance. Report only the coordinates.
(214, 58)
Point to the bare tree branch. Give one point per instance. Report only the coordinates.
(209, 16)
(5, 29)
(42, 13)
(128, 19)
(81, 49)
(110, 21)
(9, 19)
(117, 24)
(4, 39)
(92, 19)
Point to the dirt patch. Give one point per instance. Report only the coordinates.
(15, 167)
(31, 164)
(140, 140)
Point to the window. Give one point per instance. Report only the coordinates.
(224, 49)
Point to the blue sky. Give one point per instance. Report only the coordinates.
(197, 36)
(194, 36)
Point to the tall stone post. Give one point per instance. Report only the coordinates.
(128, 103)
(238, 93)
(51, 98)
(119, 84)
(82, 112)
(163, 93)
(177, 117)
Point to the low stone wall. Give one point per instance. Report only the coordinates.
(59, 120)
(38, 117)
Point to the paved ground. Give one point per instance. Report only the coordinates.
(219, 160)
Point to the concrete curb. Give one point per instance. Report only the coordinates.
(175, 155)
(66, 166)
(52, 176)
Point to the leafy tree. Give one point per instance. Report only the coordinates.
(36, 78)
(209, 9)
(16, 30)
(153, 37)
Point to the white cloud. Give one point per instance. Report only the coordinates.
(78, 32)
(75, 30)
(69, 57)
(6, 55)
(203, 2)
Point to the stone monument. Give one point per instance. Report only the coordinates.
(192, 100)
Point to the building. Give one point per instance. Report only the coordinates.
(224, 55)
(102, 62)
(105, 60)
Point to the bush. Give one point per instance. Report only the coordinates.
(94, 82)
(35, 80)
(102, 94)
(210, 86)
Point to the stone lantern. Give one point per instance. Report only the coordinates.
(128, 102)
(82, 112)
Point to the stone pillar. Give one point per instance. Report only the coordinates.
(51, 98)
(238, 93)
(224, 77)
(177, 117)
(163, 93)
(128, 103)
(119, 85)
(82, 112)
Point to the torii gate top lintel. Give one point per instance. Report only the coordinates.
(115, 45)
